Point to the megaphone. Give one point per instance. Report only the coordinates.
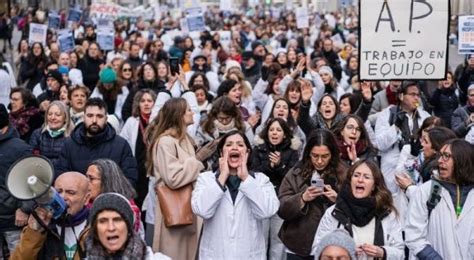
(31, 178)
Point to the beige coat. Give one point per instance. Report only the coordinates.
(175, 164)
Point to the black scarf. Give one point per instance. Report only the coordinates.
(135, 248)
(359, 211)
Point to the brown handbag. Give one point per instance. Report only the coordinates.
(175, 205)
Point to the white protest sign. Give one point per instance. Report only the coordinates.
(66, 40)
(104, 11)
(225, 39)
(38, 33)
(183, 23)
(403, 39)
(466, 34)
(195, 19)
(302, 19)
(105, 38)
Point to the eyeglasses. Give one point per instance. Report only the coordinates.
(352, 128)
(413, 94)
(127, 69)
(446, 156)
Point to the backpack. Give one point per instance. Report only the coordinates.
(435, 196)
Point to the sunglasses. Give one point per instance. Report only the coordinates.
(127, 69)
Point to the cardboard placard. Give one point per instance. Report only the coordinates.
(38, 33)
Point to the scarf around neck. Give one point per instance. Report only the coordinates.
(360, 148)
(223, 129)
(135, 249)
(56, 133)
(359, 211)
(20, 119)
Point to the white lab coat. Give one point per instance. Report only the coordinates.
(233, 230)
(392, 231)
(130, 132)
(451, 237)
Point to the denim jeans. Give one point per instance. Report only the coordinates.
(10, 239)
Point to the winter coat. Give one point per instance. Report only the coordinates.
(300, 223)
(309, 123)
(119, 102)
(233, 230)
(12, 148)
(156, 86)
(444, 102)
(391, 228)
(79, 150)
(31, 72)
(450, 236)
(175, 165)
(288, 154)
(90, 69)
(459, 119)
(50, 147)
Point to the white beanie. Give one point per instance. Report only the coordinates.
(326, 69)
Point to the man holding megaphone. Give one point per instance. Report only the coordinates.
(58, 238)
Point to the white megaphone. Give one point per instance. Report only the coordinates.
(31, 178)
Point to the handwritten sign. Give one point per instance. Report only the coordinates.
(466, 34)
(195, 19)
(105, 38)
(302, 19)
(66, 40)
(38, 33)
(403, 39)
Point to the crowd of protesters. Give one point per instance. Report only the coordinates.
(287, 153)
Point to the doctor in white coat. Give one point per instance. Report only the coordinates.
(448, 232)
(233, 203)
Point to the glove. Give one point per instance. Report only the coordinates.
(400, 118)
(415, 146)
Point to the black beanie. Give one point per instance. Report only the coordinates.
(3, 116)
(115, 202)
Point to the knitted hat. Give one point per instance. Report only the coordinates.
(107, 75)
(114, 202)
(3, 116)
(55, 74)
(63, 69)
(225, 87)
(255, 44)
(339, 238)
(326, 69)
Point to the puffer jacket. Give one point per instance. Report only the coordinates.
(79, 150)
(12, 148)
(44, 144)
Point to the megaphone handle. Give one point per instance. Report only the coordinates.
(40, 221)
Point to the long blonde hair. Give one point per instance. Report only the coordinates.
(169, 121)
(68, 124)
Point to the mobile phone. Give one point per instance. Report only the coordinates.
(174, 66)
(318, 183)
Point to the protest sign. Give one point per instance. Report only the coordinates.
(104, 11)
(195, 19)
(466, 34)
(74, 15)
(38, 33)
(66, 40)
(53, 20)
(225, 39)
(226, 5)
(183, 23)
(105, 23)
(403, 39)
(302, 19)
(105, 38)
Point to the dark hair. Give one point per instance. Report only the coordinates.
(430, 121)
(112, 178)
(439, 135)
(28, 99)
(354, 101)
(204, 79)
(338, 109)
(220, 145)
(226, 86)
(141, 70)
(463, 165)
(290, 121)
(294, 85)
(406, 85)
(383, 196)
(136, 100)
(320, 137)
(288, 134)
(226, 106)
(364, 136)
(96, 102)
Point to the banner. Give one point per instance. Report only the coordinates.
(466, 34)
(403, 39)
(66, 40)
(38, 33)
(105, 38)
(302, 19)
(108, 11)
(54, 20)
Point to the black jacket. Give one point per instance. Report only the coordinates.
(90, 70)
(444, 102)
(261, 161)
(79, 150)
(156, 85)
(12, 148)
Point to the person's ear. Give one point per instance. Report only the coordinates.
(400, 96)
